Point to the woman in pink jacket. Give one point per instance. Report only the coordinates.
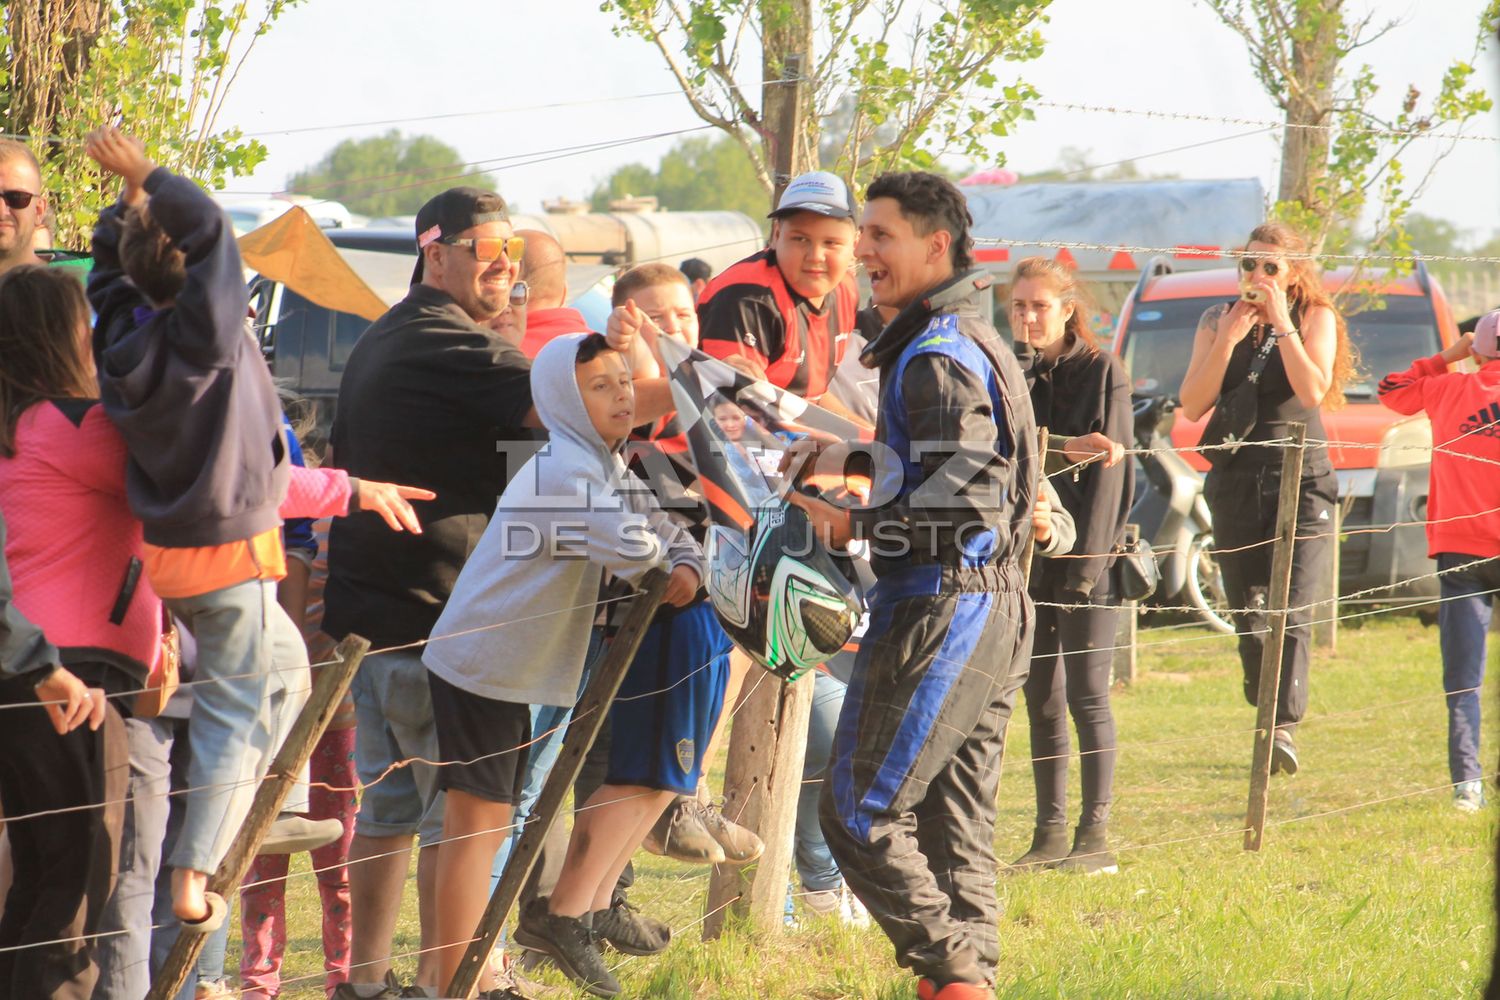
(74, 551)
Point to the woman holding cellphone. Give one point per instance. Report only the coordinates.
(1284, 336)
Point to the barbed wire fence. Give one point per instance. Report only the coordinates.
(1445, 448)
(1161, 638)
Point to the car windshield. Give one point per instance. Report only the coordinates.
(1159, 341)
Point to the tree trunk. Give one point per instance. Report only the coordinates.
(787, 52)
(50, 43)
(1304, 151)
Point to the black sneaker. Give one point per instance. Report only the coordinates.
(1283, 753)
(627, 931)
(389, 989)
(570, 943)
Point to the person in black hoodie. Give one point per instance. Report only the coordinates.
(1076, 389)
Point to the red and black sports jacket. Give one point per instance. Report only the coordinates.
(750, 309)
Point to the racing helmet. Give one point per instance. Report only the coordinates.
(777, 591)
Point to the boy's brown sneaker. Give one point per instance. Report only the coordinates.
(741, 845)
(681, 834)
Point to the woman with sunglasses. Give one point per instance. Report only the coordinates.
(1284, 336)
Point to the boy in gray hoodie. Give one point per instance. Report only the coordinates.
(516, 630)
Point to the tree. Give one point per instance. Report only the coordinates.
(161, 67)
(1337, 148)
(371, 176)
(920, 75)
(699, 173)
(1437, 237)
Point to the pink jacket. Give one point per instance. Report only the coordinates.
(73, 547)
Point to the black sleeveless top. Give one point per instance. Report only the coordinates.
(1277, 406)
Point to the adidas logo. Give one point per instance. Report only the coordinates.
(1486, 421)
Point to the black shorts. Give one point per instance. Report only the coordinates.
(481, 742)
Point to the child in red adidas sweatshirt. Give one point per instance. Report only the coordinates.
(1463, 530)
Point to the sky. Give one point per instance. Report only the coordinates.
(318, 75)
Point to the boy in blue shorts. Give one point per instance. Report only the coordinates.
(571, 513)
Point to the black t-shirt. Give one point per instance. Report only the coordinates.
(429, 398)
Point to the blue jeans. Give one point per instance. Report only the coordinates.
(816, 868)
(143, 894)
(245, 646)
(1463, 619)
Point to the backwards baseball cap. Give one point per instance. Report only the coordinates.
(818, 191)
(450, 213)
(1487, 336)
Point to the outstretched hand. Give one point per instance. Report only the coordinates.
(122, 155)
(390, 502)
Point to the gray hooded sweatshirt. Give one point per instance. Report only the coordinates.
(526, 598)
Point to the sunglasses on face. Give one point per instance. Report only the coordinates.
(1269, 266)
(16, 200)
(489, 248)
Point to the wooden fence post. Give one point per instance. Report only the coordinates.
(1325, 631)
(588, 718)
(328, 690)
(1270, 660)
(762, 779)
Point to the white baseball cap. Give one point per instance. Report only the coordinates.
(1487, 336)
(817, 191)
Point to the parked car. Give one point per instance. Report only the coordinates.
(1381, 458)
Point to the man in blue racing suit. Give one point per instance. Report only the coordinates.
(909, 805)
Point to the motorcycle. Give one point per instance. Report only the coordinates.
(1174, 518)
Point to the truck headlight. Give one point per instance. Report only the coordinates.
(1406, 444)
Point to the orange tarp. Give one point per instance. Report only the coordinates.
(292, 249)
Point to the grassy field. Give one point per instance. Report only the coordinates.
(1370, 884)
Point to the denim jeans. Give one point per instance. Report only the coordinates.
(143, 896)
(1463, 619)
(816, 868)
(246, 649)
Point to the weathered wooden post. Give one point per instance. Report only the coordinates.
(588, 718)
(328, 690)
(1270, 660)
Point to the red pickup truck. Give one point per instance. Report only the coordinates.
(1380, 457)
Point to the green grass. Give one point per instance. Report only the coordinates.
(1385, 900)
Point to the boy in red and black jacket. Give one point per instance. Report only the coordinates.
(1463, 528)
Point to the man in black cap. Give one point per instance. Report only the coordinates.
(431, 391)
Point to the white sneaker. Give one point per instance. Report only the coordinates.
(1468, 796)
(851, 910)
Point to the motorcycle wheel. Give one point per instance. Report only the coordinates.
(1205, 585)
